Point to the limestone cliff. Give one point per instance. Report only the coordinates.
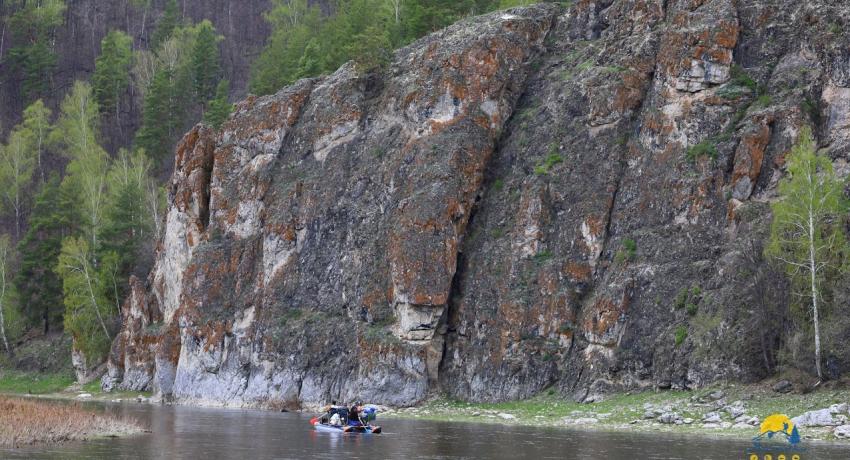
(514, 203)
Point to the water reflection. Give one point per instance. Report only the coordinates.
(210, 434)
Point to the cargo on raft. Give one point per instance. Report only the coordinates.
(339, 419)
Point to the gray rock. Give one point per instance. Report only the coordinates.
(783, 386)
(670, 418)
(842, 432)
(836, 409)
(822, 417)
(712, 417)
(717, 395)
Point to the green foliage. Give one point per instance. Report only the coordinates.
(706, 148)
(112, 70)
(741, 78)
(86, 172)
(126, 222)
(552, 159)
(26, 383)
(17, 164)
(680, 335)
(10, 323)
(166, 25)
(218, 108)
(305, 43)
(160, 121)
(87, 307)
(764, 100)
(806, 235)
(38, 286)
(206, 69)
(32, 27)
(627, 252)
(543, 256)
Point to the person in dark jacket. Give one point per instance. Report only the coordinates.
(354, 414)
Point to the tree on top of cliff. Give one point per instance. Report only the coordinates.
(806, 234)
(218, 108)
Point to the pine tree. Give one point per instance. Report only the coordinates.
(165, 27)
(219, 109)
(112, 70)
(32, 56)
(159, 121)
(806, 233)
(38, 286)
(206, 69)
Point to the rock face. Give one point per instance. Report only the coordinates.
(508, 206)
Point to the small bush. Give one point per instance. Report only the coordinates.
(543, 256)
(692, 308)
(764, 100)
(740, 77)
(627, 252)
(681, 334)
(706, 148)
(498, 185)
(681, 299)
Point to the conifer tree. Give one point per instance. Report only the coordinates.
(219, 109)
(159, 120)
(166, 25)
(112, 70)
(32, 56)
(38, 286)
(206, 70)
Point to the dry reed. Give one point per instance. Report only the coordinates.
(27, 421)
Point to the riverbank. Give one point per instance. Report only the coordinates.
(28, 421)
(731, 411)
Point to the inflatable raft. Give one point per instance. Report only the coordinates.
(345, 429)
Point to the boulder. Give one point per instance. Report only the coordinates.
(783, 386)
(712, 417)
(822, 417)
(842, 432)
(836, 409)
(670, 418)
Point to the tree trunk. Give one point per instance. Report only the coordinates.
(813, 273)
(3, 331)
(94, 301)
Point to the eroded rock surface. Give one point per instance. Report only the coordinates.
(514, 203)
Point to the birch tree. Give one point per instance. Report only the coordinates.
(5, 256)
(806, 234)
(87, 308)
(86, 173)
(17, 164)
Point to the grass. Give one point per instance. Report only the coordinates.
(33, 383)
(25, 422)
(625, 411)
(681, 334)
(627, 252)
(705, 148)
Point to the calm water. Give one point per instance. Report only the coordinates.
(208, 434)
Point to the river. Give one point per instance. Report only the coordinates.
(179, 432)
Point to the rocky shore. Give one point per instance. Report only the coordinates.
(734, 411)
